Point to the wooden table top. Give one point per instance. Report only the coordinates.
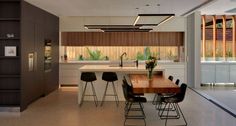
(158, 84)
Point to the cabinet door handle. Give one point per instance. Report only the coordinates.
(35, 61)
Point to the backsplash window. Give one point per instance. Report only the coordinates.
(168, 53)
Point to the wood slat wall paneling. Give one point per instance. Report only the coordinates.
(214, 37)
(224, 36)
(122, 38)
(203, 36)
(234, 36)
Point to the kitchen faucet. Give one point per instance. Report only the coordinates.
(121, 59)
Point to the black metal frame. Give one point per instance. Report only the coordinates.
(115, 93)
(94, 94)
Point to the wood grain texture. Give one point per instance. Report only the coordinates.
(203, 36)
(159, 84)
(234, 36)
(224, 36)
(214, 37)
(122, 38)
(36, 26)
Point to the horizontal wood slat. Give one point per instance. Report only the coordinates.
(122, 38)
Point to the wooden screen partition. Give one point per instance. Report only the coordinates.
(203, 36)
(214, 37)
(224, 36)
(234, 36)
(122, 38)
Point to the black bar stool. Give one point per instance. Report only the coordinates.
(89, 77)
(110, 77)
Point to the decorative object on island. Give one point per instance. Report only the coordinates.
(150, 65)
(10, 50)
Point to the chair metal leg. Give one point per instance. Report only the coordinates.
(83, 94)
(129, 108)
(105, 92)
(173, 108)
(154, 99)
(115, 93)
(182, 114)
(167, 114)
(94, 95)
(142, 109)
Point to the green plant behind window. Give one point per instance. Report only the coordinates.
(229, 53)
(80, 57)
(95, 55)
(140, 56)
(171, 56)
(147, 52)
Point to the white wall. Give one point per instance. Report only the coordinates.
(194, 49)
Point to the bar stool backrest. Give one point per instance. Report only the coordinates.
(180, 96)
(177, 82)
(171, 78)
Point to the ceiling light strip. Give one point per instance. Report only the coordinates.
(136, 20)
(167, 19)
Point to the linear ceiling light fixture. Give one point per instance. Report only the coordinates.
(136, 20)
(160, 19)
(164, 21)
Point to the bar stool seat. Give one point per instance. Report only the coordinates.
(89, 77)
(110, 77)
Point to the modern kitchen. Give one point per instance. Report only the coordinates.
(107, 62)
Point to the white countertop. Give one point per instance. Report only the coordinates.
(107, 68)
(116, 62)
(218, 62)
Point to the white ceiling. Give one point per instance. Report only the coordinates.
(219, 7)
(115, 7)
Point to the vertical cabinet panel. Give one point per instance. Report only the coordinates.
(208, 73)
(222, 73)
(232, 73)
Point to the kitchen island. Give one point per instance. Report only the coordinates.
(99, 84)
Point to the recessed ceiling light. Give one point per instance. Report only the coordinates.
(147, 5)
(158, 5)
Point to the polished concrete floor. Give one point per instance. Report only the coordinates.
(222, 95)
(60, 109)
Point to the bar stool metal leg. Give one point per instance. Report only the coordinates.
(115, 93)
(104, 95)
(83, 94)
(94, 95)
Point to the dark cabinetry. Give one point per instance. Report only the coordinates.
(26, 28)
(10, 65)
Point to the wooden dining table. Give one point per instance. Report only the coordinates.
(158, 84)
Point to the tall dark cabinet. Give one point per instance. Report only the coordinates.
(10, 49)
(24, 30)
